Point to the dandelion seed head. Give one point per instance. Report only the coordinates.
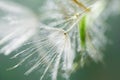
(63, 36)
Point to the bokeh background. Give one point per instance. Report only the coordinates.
(109, 70)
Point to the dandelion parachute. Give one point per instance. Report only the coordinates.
(57, 42)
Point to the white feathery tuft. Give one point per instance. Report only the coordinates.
(51, 42)
(17, 25)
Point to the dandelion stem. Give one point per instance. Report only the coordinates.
(81, 5)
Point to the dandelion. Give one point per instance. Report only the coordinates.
(56, 43)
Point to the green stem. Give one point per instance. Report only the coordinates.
(82, 32)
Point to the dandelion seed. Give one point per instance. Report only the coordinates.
(59, 42)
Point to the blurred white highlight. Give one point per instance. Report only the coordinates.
(17, 25)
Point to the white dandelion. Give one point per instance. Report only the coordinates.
(58, 41)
